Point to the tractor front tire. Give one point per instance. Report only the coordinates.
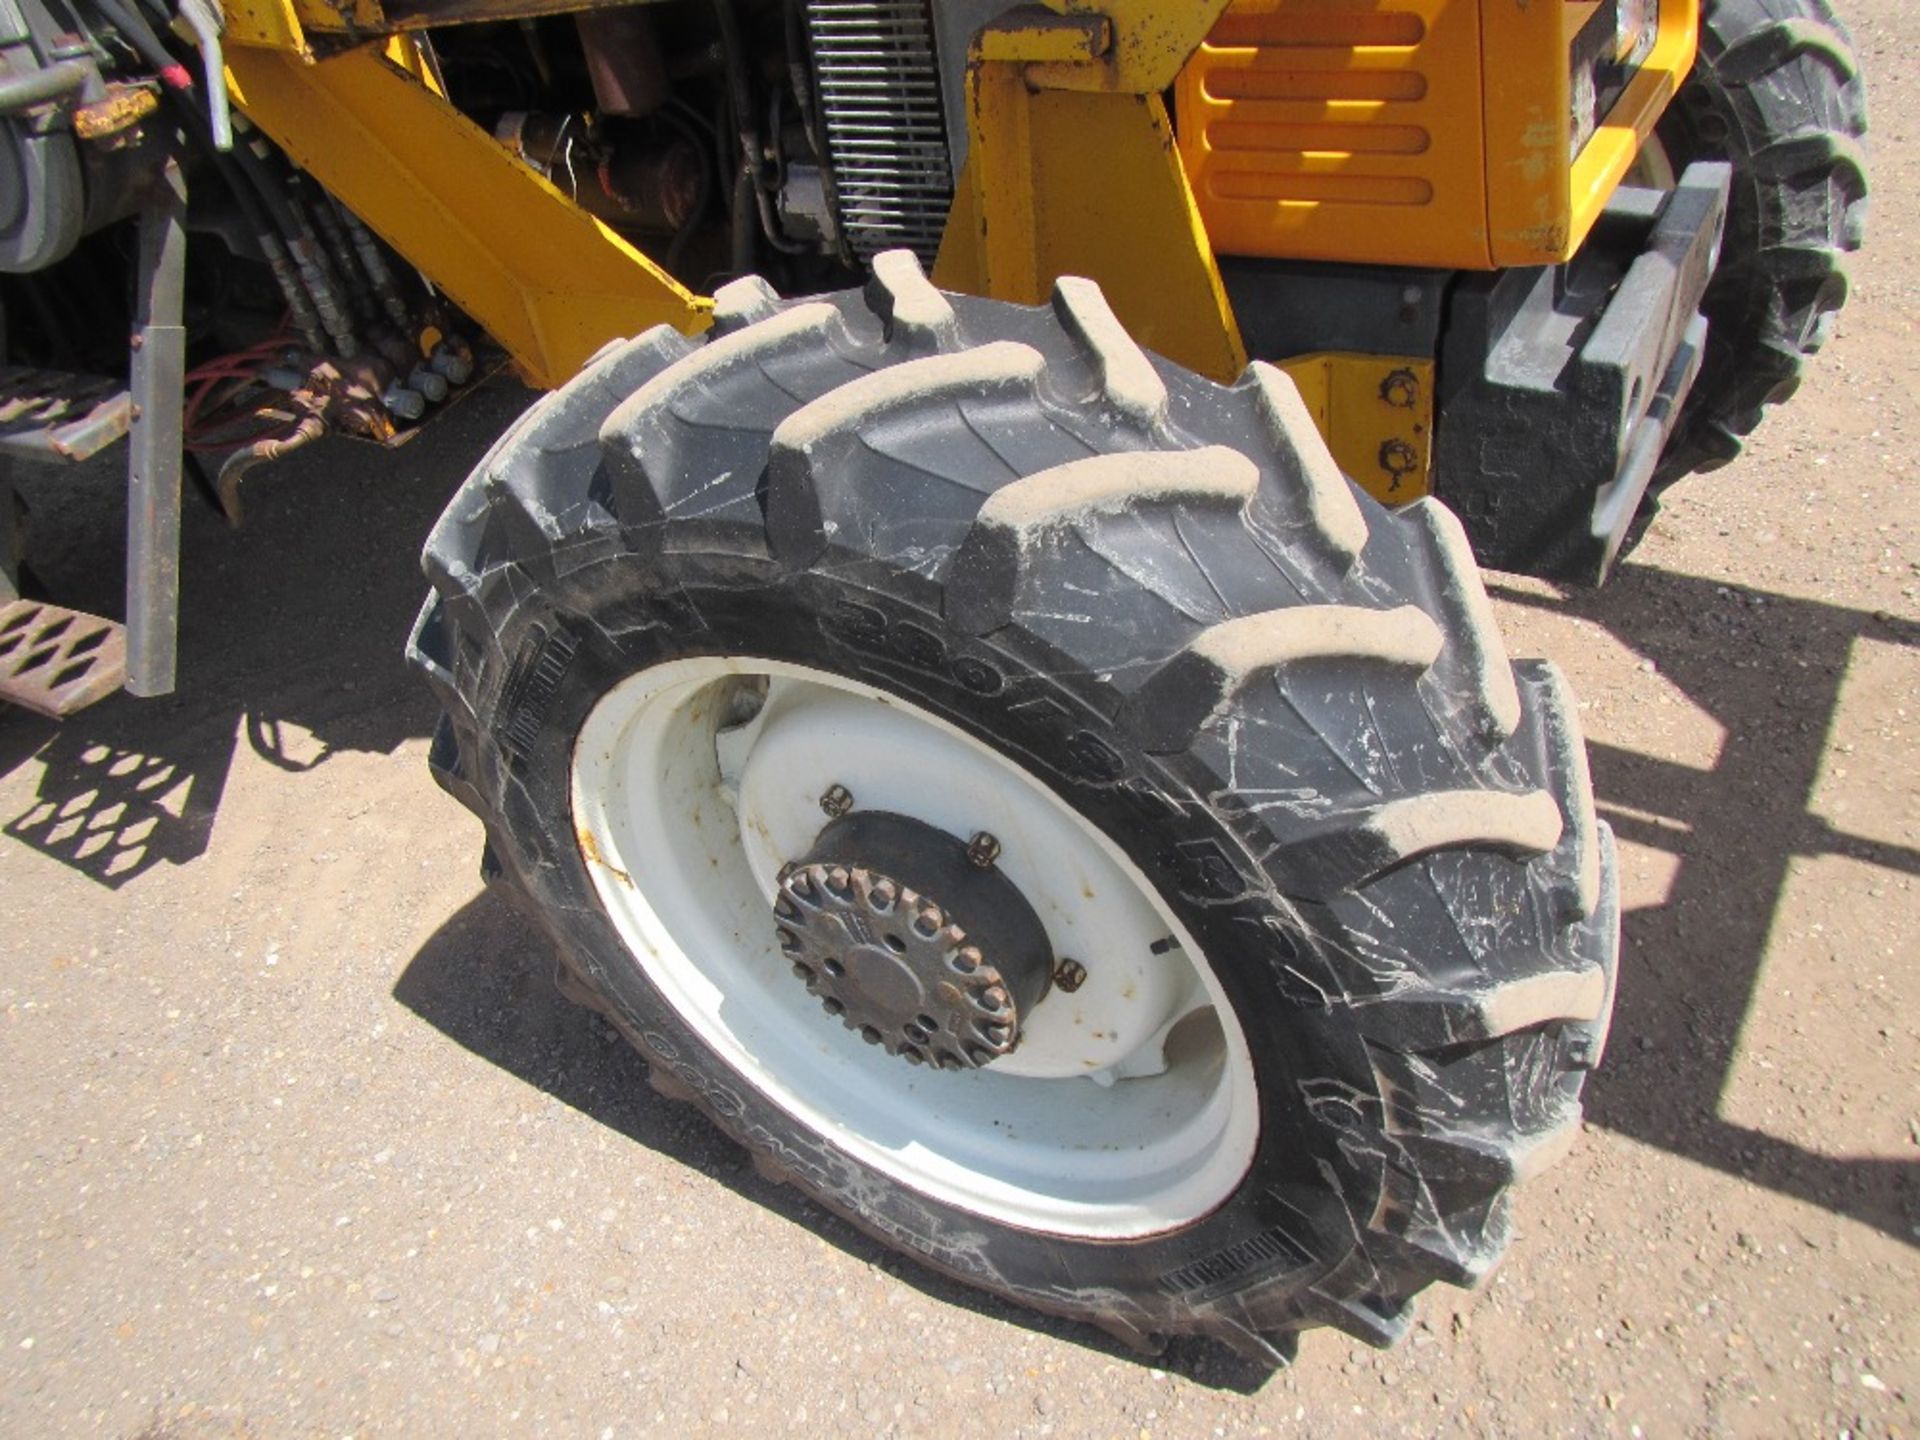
(1777, 93)
(764, 657)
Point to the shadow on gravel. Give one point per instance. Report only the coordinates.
(290, 639)
(486, 980)
(1769, 669)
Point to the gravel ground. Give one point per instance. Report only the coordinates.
(303, 1141)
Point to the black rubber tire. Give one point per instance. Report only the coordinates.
(1777, 93)
(1388, 854)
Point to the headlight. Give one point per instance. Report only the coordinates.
(1610, 47)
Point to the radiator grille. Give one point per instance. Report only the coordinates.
(879, 88)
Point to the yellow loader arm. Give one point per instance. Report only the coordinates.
(548, 281)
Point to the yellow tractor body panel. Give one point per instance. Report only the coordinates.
(1335, 130)
(1424, 133)
(1605, 160)
(1430, 133)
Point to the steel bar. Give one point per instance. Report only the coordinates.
(37, 87)
(154, 459)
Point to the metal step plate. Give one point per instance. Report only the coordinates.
(56, 661)
(53, 417)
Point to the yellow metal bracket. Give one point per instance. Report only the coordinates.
(1376, 412)
(1037, 36)
(1072, 170)
(547, 280)
(269, 23)
(1152, 41)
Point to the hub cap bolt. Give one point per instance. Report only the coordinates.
(983, 850)
(837, 801)
(1069, 975)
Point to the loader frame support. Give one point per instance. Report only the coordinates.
(1072, 168)
(547, 280)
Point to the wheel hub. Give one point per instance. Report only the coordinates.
(911, 942)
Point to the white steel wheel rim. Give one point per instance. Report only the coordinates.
(1129, 1107)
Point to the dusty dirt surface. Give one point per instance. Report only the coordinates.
(301, 1140)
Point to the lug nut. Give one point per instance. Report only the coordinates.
(1069, 975)
(837, 801)
(983, 850)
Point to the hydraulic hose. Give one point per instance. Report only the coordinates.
(342, 266)
(376, 267)
(305, 318)
(304, 246)
(743, 232)
(236, 465)
(135, 30)
(697, 212)
(282, 255)
(740, 98)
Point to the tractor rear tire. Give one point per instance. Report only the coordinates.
(1777, 93)
(981, 564)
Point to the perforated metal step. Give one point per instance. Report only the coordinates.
(54, 417)
(55, 661)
